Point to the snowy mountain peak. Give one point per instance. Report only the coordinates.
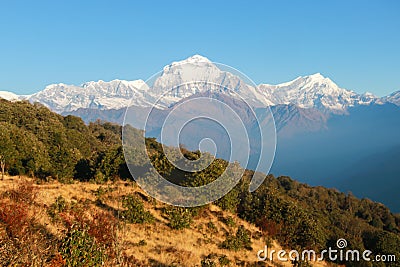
(198, 74)
(319, 79)
(9, 96)
(54, 85)
(369, 94)
(316, 76)
(100, 83)
(393, 98)
(315, 91)
(195, 60)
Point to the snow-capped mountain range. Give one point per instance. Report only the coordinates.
(94, 95)
(313, 91)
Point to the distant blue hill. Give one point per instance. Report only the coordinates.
(358, 152)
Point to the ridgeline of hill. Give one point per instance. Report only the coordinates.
(81, 229)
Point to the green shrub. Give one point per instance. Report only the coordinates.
(239, 241)
(230, 201)
(229, 221)
(78, 248)
(59, 205)
(100, 192)
(135, 212)
(212, 226)
(208, 261)
(223, 260)
(142, 243)
(212, 259)
(179, 217)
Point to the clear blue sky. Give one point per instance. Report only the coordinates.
(355, 43)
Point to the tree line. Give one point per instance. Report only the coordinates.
(39, 143)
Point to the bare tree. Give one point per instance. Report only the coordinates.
(2, 165)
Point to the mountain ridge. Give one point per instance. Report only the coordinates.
(311, 91)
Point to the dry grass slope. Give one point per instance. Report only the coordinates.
(152, 244)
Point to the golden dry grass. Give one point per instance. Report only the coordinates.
(153, 244)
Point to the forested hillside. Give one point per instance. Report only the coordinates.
(38, 143)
